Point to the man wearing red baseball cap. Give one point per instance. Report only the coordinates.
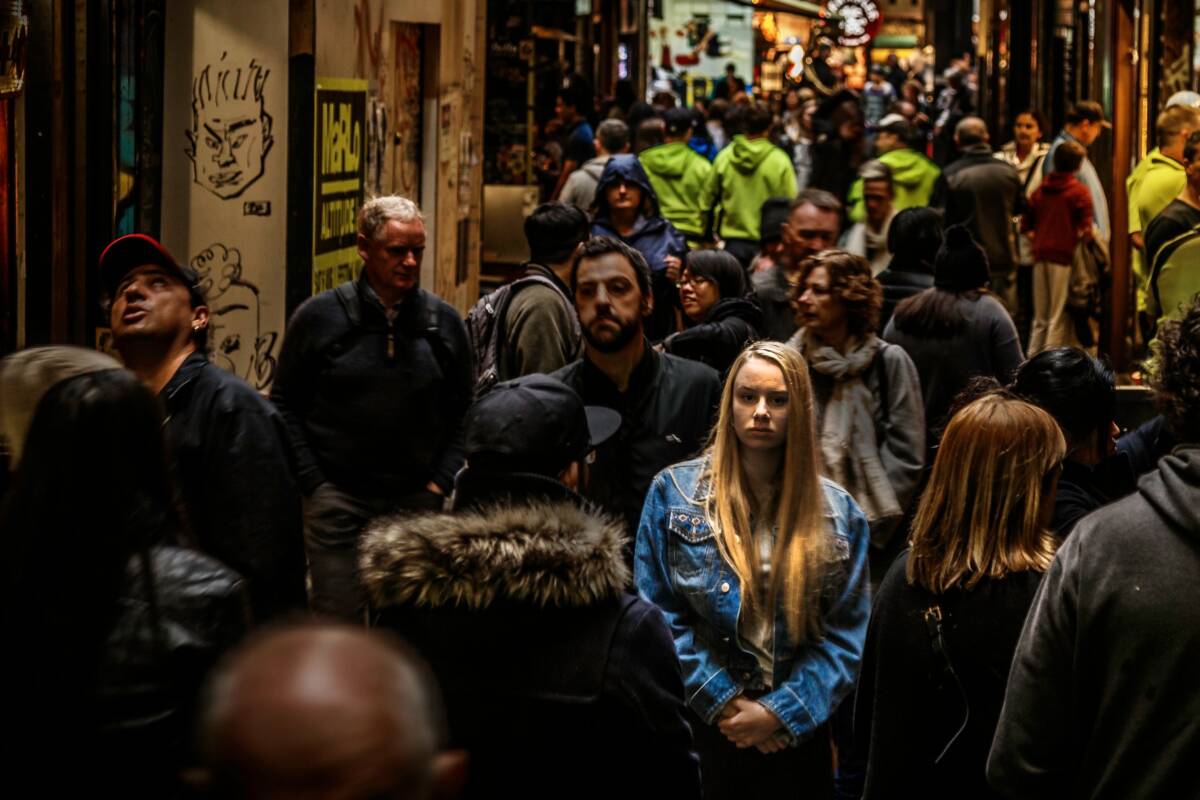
(229, 446)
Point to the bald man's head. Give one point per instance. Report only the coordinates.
(322, 712)
(969, 131)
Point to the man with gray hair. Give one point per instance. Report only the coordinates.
(374, 378)
(984, 193)
(323, 711)
(869, 237)
(612, 137)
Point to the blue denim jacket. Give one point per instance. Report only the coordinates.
(678, 568)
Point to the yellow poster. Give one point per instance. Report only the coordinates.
(339, 178)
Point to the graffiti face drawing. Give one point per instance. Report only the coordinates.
(231, 130)
(238, 342)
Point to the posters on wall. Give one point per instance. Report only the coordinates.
(339, 178)
(224, 198)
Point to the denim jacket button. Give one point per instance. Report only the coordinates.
(725, 586)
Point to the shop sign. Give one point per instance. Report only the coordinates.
(861, 20)
(339, 178)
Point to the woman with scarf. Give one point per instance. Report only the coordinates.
(627, 209)
(866, 394)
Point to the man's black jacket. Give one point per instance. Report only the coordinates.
(376, 424)
(666, 414)
(230, 452)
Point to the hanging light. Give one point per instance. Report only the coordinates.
(14, 36)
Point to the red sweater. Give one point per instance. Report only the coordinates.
(1058, 214)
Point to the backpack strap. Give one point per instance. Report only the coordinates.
(433, 334)
(932, 617)
(347, 295)
(882, 377)
(518, 285)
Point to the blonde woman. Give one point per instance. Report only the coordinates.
(950, 610)
(760, 567)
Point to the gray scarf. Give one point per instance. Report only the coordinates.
(849, 447)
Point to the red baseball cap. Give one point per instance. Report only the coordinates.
(135, 250)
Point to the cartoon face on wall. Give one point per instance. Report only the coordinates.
(231, 130)
(239, 343)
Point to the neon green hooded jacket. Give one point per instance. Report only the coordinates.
(678, 174)
(913, 179)
(744, 175)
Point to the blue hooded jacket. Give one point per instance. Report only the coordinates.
(652, 236)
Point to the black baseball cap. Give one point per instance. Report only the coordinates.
(533, 424)
(138, 249)
(678, 121)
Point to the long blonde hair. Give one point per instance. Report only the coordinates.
(801, 538)
(980, 516)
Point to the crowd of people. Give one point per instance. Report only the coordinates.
(702, 504)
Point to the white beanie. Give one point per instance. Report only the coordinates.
(26, 377)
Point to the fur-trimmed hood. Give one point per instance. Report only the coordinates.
(544, 553)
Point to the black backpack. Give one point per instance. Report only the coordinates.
(485, 327)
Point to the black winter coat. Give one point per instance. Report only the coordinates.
(556, 681)
(375, 424)
(666, 414)
(731, 324)
(230, 451)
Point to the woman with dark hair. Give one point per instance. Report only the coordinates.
(913, 239)
(627, 210)
(712, 293)
(1026, 152)
(955, 330)
(866, 393)
(1028, 146)
(1094, 473)
(946, 621)
(110, 644)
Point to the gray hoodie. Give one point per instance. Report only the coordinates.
(580, 188)
(1103, 697)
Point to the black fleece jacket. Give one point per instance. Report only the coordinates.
(375, 424)
(732, 324)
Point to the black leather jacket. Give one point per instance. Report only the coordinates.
(151, 674)
(230, 451)
(666, 413)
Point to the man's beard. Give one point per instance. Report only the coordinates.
(625, 334)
